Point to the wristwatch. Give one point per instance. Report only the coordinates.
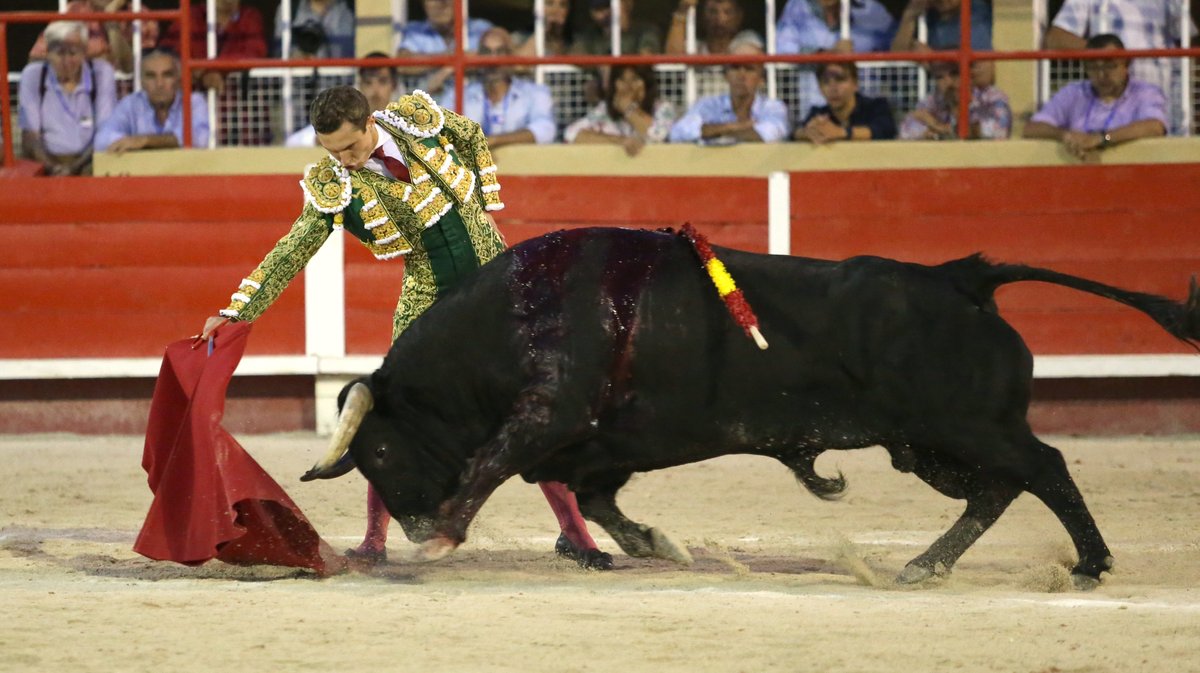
(1107, 140)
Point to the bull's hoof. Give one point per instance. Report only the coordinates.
(434, 549)
(590, 559)
(1086, 576)
(914, 573)
(665, 548)
(1084, 582)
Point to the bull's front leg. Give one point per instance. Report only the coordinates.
(455, 515)
(518, 444)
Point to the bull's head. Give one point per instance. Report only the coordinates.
(366, 439)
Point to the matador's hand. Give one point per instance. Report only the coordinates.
(210, 327)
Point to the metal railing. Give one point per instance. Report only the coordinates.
(262, 104)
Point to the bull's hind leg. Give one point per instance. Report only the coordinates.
(1053, 485)
(986, 501)
(635, 539)
(999, 471)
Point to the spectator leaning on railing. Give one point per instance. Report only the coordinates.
(1141, 24)
(110, 40)
(631, 114)
(153, 117)
(848, 114)
(62, 100)
(511, 110)
(936, 115)
(1106, 109)
(742, 115)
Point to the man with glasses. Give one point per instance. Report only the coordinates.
(512, 110)
(1106, 109)
(742, 115)
(62, 100)
(1140, 24)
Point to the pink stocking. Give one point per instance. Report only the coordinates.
(377, 523)
(566, 509)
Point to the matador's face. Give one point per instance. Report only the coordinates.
(350, 145)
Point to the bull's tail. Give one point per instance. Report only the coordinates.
(980, 278)
(735, 301)
(803, 466)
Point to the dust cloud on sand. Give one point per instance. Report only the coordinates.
(782, 581)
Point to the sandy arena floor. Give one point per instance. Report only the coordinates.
(782, 581)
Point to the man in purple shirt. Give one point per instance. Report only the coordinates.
(153, 117)
(1106, 109)
(62, 100)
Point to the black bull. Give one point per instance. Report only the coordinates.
(585, 356)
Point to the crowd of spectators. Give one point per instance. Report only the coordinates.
(68, 104)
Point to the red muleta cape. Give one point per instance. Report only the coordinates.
(211, 499)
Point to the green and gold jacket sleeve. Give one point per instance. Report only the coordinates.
(289, 256)
(475, 154)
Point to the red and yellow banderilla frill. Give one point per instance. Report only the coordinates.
(735, 300)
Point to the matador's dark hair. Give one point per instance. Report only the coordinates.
(337, 105)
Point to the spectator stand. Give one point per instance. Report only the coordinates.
(8, 110)
(269, 98)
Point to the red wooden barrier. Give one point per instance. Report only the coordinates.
(1131, 226)
(79, 256)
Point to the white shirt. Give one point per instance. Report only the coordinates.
(390, 148)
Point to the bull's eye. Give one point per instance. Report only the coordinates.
(380, 452)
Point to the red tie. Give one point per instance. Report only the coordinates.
(392, 164)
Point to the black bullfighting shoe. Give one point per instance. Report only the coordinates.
(592, 559)
(367, 556)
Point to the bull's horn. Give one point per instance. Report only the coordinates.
(335, 463)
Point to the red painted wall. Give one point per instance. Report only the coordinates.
(119, 267)
(1131, 226)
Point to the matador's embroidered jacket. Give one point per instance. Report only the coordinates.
(437, 220)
